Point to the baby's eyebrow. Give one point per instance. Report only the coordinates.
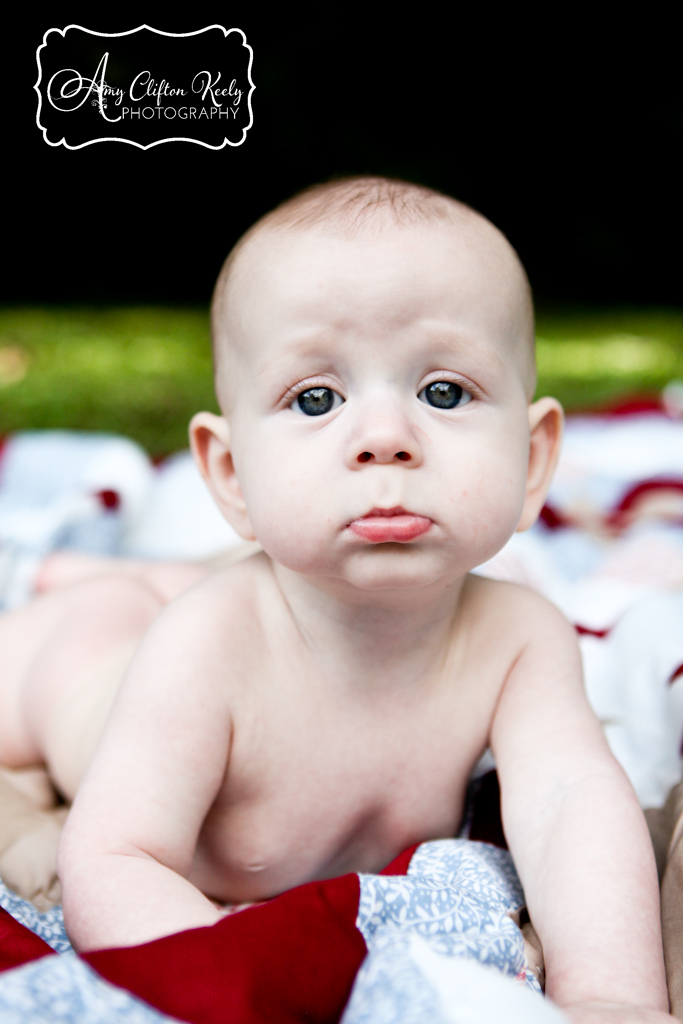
(481, 362)
(459, 345)
(293, 355)
(306, 355)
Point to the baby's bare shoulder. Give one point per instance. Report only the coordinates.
(509, 626)
(211, 631)
(512, 603)
(224, 604)
(536, 652)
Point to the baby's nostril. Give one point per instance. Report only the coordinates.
(403, 456)
(365, 456)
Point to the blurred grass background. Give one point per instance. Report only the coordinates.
(144, 371)
(140, 371)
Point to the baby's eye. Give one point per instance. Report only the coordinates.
(318, 401)
(444, 394)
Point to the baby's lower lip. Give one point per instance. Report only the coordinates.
(396, 528)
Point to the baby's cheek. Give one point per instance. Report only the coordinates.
(491, 503)
(284, 517)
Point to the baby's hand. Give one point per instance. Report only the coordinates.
(611, 1013)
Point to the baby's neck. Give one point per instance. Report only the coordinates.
(369, 638)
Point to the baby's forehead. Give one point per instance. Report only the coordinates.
(283, 262)
(466, 252)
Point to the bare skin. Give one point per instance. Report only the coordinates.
(319, 707)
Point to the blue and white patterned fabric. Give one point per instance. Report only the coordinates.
(440, 944)
(49, 927)
(65, 990)
(62, 989)
(456, 899)
(403, 981)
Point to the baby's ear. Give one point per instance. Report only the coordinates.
(546, 420)
(210, 443)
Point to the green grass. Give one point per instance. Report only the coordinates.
(144, 371)
(141, 372)
(592, 359)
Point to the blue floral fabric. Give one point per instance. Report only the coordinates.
(456, 899)
(62, 989)
(49, 927)
(65, 990)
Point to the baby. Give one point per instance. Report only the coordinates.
(319, 707)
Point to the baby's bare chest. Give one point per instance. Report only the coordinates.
(319, 784)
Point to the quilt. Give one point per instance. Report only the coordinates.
(368, 948)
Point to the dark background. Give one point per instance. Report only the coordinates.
(569, 139)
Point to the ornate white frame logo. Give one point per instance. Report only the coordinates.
(100, 90)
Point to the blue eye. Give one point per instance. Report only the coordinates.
(318, 401)
(444, 394)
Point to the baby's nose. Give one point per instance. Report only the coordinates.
(385, 435)
(401, 456)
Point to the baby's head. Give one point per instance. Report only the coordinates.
(374, 352)
(350, 208)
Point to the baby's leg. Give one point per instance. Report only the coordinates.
(56, 656)
(167, 579)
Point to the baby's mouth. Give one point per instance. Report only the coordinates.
(390, 525)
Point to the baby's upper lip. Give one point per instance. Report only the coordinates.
(396, 510)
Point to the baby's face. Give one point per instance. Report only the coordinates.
(377, 401)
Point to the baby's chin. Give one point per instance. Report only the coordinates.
(386, 569)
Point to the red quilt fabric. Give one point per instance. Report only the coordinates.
(18, 945)
(293, 959)
(290, 960)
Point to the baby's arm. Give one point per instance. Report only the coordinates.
(130, 839)
(577, 835)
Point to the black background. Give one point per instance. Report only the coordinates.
(567, 137)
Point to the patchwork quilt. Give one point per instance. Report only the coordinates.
(378, 949)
